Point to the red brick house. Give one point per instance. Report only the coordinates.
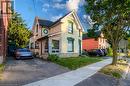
(94, 43)
(4, 18)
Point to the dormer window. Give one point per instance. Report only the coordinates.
(70, 27)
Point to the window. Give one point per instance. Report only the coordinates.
(70, 27)
(70, 44)
(55, 46)
(31, 45)
(36, 45)
(37, 28)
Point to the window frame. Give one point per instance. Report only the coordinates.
(72, 27)
(72, 40)
(37, 27)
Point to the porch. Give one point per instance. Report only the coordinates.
(48, 46)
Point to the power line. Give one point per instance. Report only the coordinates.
(34, 5)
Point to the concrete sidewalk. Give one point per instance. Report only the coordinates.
(73, 77)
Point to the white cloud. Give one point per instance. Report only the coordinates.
(89, 20)
(46, 5)
(59, 6)
(54, 18)
(74, 4)
(44, 9)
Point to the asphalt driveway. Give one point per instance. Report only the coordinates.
(21, 72)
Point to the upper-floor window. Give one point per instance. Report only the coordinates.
(70, 27)
(37, 28)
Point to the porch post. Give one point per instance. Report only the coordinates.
(49, 46)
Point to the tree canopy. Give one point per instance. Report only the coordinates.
(113, 18)
(18, 33)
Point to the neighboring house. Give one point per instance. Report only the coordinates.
(123, 46)
(94, 43)
(4, 18)
(63, 37)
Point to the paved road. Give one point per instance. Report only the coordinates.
(21, 72)
(126, 81)
(99, 80)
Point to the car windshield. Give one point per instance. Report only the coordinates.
(23, 50)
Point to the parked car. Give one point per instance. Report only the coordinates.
(100, 52)
(92, 52)
(23, 54)
(96, 52)
(105, 51)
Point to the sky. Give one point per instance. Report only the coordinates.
(51, 10)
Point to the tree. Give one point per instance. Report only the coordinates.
(91, 33)
(18, 34)
(113, 18)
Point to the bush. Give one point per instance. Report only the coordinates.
(116, 75)
(84, 52)
(109, 52)
(53, 57)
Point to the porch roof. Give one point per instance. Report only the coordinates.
(42, 38)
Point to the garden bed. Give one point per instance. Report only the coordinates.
(117, 71)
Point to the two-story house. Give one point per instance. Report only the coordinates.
(89, 43)
(62, 37)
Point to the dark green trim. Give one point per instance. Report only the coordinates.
(71, 39)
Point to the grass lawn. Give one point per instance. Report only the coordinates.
(76, 62)
(2, 66)
(115, 70)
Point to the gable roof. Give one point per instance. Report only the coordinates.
(48, 23)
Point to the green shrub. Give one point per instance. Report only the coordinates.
(84, 52)
(53, 57)
(117, 75)
(109, 52)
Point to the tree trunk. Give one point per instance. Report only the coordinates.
(115, 56)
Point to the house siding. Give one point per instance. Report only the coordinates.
(58, 31)
(65, 34)
(92, 43)
(89, 44)
(4, 18)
